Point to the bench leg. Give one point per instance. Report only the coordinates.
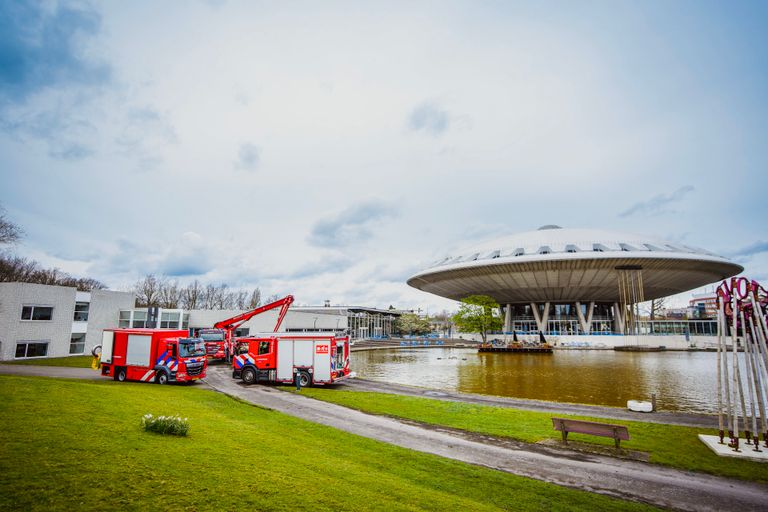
(617, 442)
(565, 436)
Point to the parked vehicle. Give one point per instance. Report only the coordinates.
(158, 355)
(216, 345)
(228, 326)
(315, 358)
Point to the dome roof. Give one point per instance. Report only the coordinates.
(509, 268)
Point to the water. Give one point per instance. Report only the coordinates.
(682, 381)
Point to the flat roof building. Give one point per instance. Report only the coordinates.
(38, 320)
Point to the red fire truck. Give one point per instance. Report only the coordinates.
(316, 358)
(159, 355)
(221, 343)
(215, 343)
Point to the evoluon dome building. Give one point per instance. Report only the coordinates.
(573, 281)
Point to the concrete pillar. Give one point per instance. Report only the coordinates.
(618, 319)
(508, 318)
(582, 320)
(541, 319)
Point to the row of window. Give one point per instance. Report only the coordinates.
(168, 319)
(26, 349)
(45, 313)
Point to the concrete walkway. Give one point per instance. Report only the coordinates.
(50, 371)
(624, 479)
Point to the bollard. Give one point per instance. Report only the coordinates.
(298, 382)
(653, 402)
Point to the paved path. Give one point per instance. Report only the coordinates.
(630, 480)
(669, 418)
(50, 371)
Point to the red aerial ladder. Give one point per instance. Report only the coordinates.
(230, 324)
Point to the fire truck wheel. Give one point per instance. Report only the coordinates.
(120, 375)
(161, 378)
(249, 375)
(304, 379)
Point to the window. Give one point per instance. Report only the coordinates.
(544, 249)
(139, 319)
(31, 349)
(125, 319)
(37, 313)
(571, 248)
(185, 321)
(169, 320)
(263, 347)
(81, 311)
(77, 344)
(519, 251)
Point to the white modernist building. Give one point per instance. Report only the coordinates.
(38, 320)
(573, 281)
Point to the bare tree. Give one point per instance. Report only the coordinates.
(147, 291)
(240, 299)
(271, 299)
(23, 270)
(10, 233)
(657, 307)
(169, 294)
(255, 300)
(191, 296)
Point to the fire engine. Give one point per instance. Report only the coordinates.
(158, 355)
(223, 346)
(216, 346)
(313, 358)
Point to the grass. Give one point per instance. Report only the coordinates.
(78, 445)
(71, 361)
(674, 446)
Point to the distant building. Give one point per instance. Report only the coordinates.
(38, 320)
(703, 305)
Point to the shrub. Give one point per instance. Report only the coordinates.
(172, 425)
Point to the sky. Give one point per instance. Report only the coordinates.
(332, 149)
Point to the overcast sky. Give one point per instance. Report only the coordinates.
(332, 149)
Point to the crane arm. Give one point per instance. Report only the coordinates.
(230, 324)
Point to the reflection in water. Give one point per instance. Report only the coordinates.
(682, 381)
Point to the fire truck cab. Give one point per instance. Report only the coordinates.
(158, 355)
(316, 358)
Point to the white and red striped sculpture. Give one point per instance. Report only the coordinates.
(742, 306)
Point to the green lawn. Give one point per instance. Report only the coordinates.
(674, 446)
(78, 445)
(72, 361)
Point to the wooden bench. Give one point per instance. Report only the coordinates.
(617, 432)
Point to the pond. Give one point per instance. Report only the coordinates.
(682, 381)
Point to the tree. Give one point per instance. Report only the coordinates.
(271, 299)
(169, 294)
(255, 300)
(191, 295)
(657, 307)
(411, 323)
(10, 233)
(147, 291)
(478, 313)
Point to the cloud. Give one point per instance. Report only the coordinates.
(330, 264)
(350, 225)
(656, 204)
(144, 135)
(247, 157)
(40, 48)
(190, 255)
(429, 118)
(750, 250)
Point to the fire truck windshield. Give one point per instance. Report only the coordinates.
(191, 348)
(212, 336)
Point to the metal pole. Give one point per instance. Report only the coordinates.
(726, 379)
(721, 432)
(748, 419)
(736, 383)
